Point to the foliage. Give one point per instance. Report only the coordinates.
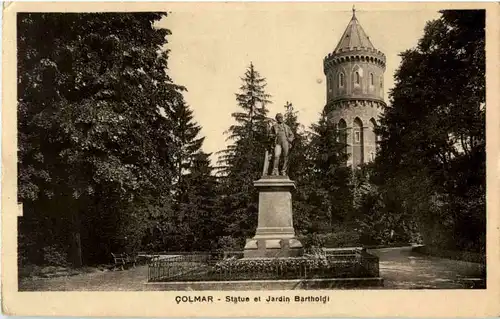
(290, 264)
(380, 218)
(228, 243)
(54, 255)
(186, 144)
(241, 163)
(94, 145)
(192, 185)
(75, 103)
(324, 192)
(433, 135)
(312, 241)
(263, 268)
(199, 204)
(298, 156)
(339, 237)
(110, 155)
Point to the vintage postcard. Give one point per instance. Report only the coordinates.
(250, 159)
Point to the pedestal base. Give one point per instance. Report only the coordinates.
(262, 247)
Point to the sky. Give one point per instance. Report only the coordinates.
(211, 47)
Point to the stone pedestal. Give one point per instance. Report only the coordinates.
(275, 236)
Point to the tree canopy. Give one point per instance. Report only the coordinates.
(433, 135)
(93, 142)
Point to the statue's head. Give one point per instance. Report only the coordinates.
(279, 117)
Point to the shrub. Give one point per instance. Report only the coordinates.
(296, 267)
(227, 243)
(335, 239)
(345, 238)
(311, 241)
(263, 265)
(54, 255)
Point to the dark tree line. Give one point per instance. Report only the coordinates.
(108, 149)
(429, 177)
(111, 160)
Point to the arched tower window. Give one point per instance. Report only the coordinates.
(342, 135)
(342, 131)
(358, 142)
(358, 130)
(357, 74)
(341, 79)
(372, 81)
(381, 82)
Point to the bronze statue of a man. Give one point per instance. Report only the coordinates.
(283, 138)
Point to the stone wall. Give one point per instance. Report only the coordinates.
(349, 88)
(360, 116)
(355, 95)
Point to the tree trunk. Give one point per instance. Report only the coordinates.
(76, 250)
(75, 240)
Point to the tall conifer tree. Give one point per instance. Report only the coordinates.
(199, 199)
(191, 182)
(241, 163)
(324, 198)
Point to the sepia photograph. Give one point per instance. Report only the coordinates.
(235, 148)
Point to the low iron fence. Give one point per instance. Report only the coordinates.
(230, 266)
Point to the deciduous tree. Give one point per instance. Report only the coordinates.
(93, 145)
(433, 135)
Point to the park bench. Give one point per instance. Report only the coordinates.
(123, 260)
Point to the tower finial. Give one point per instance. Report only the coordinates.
(353, 11)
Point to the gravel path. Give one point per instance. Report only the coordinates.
(400, 268)
(403, 269)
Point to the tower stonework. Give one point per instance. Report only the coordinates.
(355, 92)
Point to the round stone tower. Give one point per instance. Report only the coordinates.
(355, 91)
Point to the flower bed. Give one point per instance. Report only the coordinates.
(285, 268)
(352, 265)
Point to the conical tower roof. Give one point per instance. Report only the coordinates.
(354, 36)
